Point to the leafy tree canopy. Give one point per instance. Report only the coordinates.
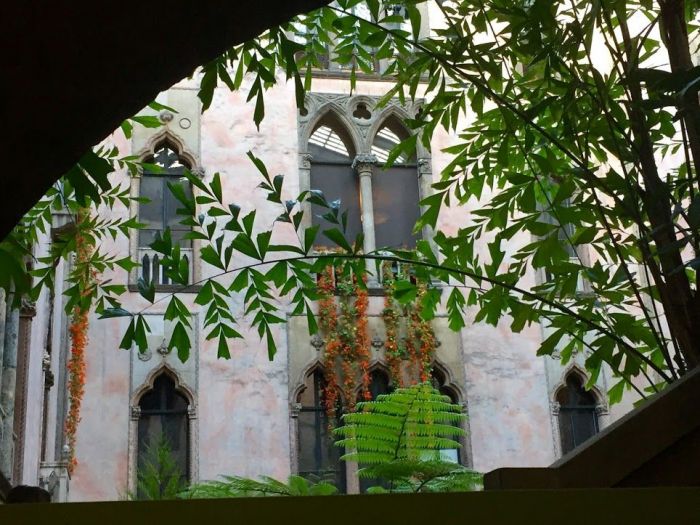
(576, 125)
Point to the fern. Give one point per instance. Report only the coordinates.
(159, 477)
(235, 487)
(399, 436)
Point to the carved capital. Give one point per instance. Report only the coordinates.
(554, 407)
(425, 166)
(601, 410)
(166, 116)
(28, 308)
(294, 409)
(305, 160)
(134, 412)
(317, 342)
(199, 172)
(363, 163)
(192, 412)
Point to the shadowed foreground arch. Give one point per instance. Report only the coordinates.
(75, 70)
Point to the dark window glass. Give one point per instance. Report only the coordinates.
(331, 172)
(161, 210)
(578, 420)
(395, 194)
(319, 458)
(164, 416)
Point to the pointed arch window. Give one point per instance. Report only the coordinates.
(438, 379)
(164, 419)
(318, 456)
(332, 153)
(160, 210)
(395, 190)
(578, 419)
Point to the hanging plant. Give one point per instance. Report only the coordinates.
(78, 330)
(343, 322)
(415, 352)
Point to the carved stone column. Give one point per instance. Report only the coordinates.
(134, 416)
(425, 183)
(194, 443)
(305, 185)
(294, 409)
(554, 407)
(7, 391)
(364, 165)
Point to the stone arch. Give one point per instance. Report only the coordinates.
(330, 111)
(165, 136)
(400, 115)
(449, 383)
(300, 386)
(576, 370)
(147, 385)
(135, 415)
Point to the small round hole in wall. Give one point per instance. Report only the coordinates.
(185, 123)
(361, 112)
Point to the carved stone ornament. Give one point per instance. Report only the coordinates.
(377, 342)
(363, 163)
(294, 409)
(163, 349)
(145, 355)
(305, 160)
(28, 308)
(199, 172)
(166, 116)
(135, 412)
(317, 342)
(601, 410)
(555, 407)
(424, 166)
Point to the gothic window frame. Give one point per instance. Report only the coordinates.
(362, 131)
(177, 145)
(346, 470)
(135, 415)
(600, 407)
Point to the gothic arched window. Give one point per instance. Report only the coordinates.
(578, 420)
(395, 190)
(439, 381)
(160, 212)
(164, 419)
(332, 153)
(318, 456)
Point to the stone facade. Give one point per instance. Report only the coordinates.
(242, 413)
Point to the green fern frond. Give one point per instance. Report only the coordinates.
(236, 487)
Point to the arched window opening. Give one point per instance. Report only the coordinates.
(332, 154)
(380, 384)
(160, 211)
(319, 457)
(439, 381)
(164, 420)
(578, 420)
(395, 193)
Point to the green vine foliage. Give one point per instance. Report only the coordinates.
(398, 438)
(555, 147)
